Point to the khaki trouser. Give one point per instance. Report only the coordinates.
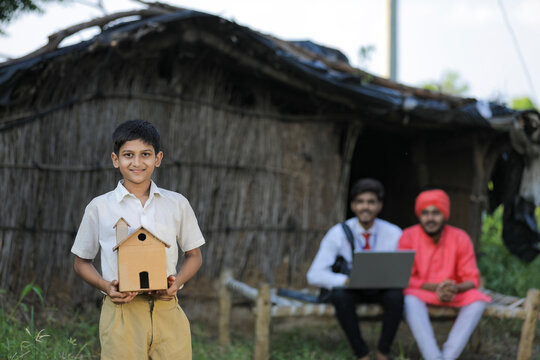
(144, 329)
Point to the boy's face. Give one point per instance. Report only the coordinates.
(366, 206)
(136, 161)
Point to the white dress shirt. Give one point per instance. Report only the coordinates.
(384, 236)
(166, 214)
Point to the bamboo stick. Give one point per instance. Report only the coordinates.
(252, 294)
(363, 310)
(528, 328)
(262, 324)
(225, 306)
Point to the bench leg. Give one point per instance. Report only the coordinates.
(225, 306)
(262, 324)
(527, 330)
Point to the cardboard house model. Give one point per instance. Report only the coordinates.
(141, 259)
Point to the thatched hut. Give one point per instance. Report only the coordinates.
(263, 136)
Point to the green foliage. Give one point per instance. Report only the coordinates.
(10, 9)
(308, 344)
(522, 103)
(365, 54)
(316, 342)
(21, 343)
(206, 348)
(503, 272)
(21, 338)
(449, 83)
(27, 289)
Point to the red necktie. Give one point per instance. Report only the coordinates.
(366, 236)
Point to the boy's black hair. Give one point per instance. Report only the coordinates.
(367, 185)
(133, 130)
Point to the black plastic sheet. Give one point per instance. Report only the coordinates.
(520, 229)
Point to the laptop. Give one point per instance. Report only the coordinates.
(381, 269)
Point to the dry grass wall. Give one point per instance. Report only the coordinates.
(265, 186)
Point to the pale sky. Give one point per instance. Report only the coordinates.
(434, 36)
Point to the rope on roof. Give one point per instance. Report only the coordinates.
(56, 38)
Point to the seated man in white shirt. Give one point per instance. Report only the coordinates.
(369, 233)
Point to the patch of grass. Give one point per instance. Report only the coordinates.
(300, 343)
(25, 337)
(497, 340)
(502, 271)
(310, 343)
(205, 346)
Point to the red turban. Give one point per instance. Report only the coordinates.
(437, 198)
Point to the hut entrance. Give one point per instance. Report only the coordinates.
(387, 157)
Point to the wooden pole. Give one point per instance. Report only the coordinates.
(262, 324)
(225, 306)
(527, 331)
(478, 196)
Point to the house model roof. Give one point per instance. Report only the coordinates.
(135, 233)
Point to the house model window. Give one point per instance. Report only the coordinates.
(142, 264)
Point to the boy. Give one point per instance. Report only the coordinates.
(369, 234)
(133, 325)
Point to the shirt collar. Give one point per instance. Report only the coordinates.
(154, 190)
(371, 231)
(121, 192)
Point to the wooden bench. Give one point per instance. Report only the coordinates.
(269, 305)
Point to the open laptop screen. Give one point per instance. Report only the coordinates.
(381, 269)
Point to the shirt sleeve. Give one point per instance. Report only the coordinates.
(189, 234)
(394, 237)
(406, 243)
(466, 263)
(86, 244)
(320, 273)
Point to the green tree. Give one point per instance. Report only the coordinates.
(364, 55)
(522, 103)
(449, 83)
(10, 9)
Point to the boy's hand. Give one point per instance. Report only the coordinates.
(168, 294)
(118, 297)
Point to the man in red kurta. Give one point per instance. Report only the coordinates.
(444, 273)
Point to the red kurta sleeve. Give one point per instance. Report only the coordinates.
(406, 242)
(466, 269)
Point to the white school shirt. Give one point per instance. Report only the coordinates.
(384, 236)
(166, 214)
